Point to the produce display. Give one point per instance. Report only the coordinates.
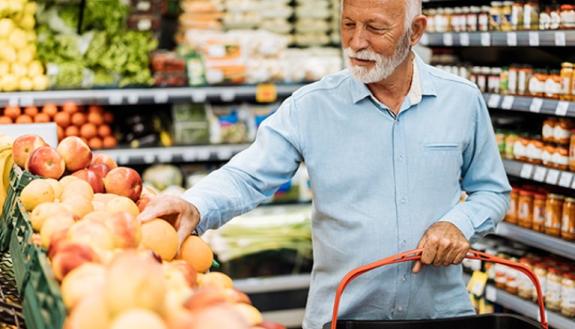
(105, 54)
(113, 271)
(20, 69)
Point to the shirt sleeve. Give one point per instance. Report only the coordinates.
(253, 175)
(484, 180)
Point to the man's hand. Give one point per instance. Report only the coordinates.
(442, 244)
(182, 214)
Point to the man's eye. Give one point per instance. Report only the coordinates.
(349, 25)
(376, 29)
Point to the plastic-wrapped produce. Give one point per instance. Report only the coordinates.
(312, 63)
(312, 26)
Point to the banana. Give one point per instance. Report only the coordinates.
(6, 163)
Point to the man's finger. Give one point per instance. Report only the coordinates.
(452, 253)
(184, 230)
(430, 250)
(155, 209)
(443, 247)
(417, 266)
(461, 255)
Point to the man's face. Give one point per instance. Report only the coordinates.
(374, 37)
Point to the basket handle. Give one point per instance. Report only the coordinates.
(415, 255)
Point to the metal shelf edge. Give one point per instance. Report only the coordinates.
(538, 240)
(268, 284)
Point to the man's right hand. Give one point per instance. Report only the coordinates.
(182, 214)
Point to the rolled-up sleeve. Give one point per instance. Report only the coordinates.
(484, 180)
(252, 176)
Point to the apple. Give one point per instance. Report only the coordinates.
(99, 168)
(138, 318)
(126, 229)
(125, 182)
(70, 255)
(23, 146)
(92, 233)
(218, 317)
(92, 177)
(46, 162)
(76, 153)
(205, 297)
(90, 313)
(99, 158)
(81, 282)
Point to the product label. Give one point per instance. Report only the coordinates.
(565, 86)
(527, 12)
(567, 297)
(512, 81)
(538, 215)
(553, 294)
(561, 134)
(512, 206)
(524, 211)
(534, 86)
(548, 131)
(565, 221)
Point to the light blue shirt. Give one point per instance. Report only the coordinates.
(379, 182)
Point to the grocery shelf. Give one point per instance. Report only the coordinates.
(152, 155)
(539, 174)
(560, 38)
(524, 307)
(277, 283)
(538, 240)
(142, 95)
(530, 104)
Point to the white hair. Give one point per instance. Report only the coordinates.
(413, 9)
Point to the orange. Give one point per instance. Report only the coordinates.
(61, 133)
(215, 279)
(50, 109)
(42, 118)
(95, 143)
(110, 142)
(12, 112)
(88, 130)
(72, 131)
(108, 117)
(197, 253)
(70, 107)
(62, 119)
(160, 237)
(5, 120)
(104, 131)
(31, 111)
(95, 109)
(78, 119)
(24, 119)
(95, 118)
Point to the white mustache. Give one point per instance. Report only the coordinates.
(366, 55)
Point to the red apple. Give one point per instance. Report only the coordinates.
(76, 153)
(94, 179)
(125, 182)
(99, 168)
(100, 158)
(143, 202)
(46, 162)
(23, 146)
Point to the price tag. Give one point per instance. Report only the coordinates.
(507, 102)
(565, 180)
(133, 98)
(464, 39)
(27, 101)
(424, 39)
(115, 99)
(225, 154)
(552, 177)
(536, 105)
(161, 97)
(534, 39)
(13, 101)
(560, 39)
(526, 171)
(228, 95)
(149, 158)
(540, 173)
(477, 283)
(266, 93)
(199, 96)
(562, 108)
(494, 101)
(491, 294)
(164, 157)
(512, 39)
(203, 155)
(485, 39)
(448, 39)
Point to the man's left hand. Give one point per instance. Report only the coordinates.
(443, 244)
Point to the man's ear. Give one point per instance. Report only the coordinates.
(418, 27)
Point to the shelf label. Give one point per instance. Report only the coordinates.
(562, 108)
(115, 99)
(560, 39)
(199, 96)
(526, 171)
(464, 39)
(149, 158)
(507, 102)
(534, 39)
(552, 177)
(540, 173)
(266, 93)
(13, 101)
(161, 97)
(225, 154)
(132, 98)
(203, 154)
(424, 39)
(485, 39)
(448, 39)
(512, 39)
(26, 101)
(494, 101)
(491, 294)
(565, 180)
(536, 105)
(228, 95)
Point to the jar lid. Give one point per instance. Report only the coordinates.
(567, 64)
(525, 193)
(554, 270)
(570, 200)
(567, 7)
(569, 275)
(540, 196)
(555, 196)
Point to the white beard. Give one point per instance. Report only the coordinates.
(383, 67)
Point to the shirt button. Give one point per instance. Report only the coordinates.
(400, 309)
(403, 201)
(401, 157)
(403, 242)
(404, 278)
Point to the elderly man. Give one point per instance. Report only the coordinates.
(390, 144)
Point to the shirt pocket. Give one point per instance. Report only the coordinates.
(439, 165)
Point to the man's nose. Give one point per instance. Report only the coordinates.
(359, 41)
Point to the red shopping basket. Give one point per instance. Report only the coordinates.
(488, 321)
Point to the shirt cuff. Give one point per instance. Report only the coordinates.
(458, 218)
(203, 208)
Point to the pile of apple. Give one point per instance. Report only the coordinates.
(114, 271)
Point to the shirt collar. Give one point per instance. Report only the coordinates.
(421, 85)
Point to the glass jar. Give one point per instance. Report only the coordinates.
(517, 16)
(566, 80)
(540, 270)
(547, 156)
(568, 222)
(572, 151)
(473, 19)
(523, 78)
(553, 214)
(484, 19)
(495, 15)
(531, 15)
(513, 77)
(545, 19)
(456, 20)
(431, 20)
(553, 85)
(525, 209)
(553, 293)
(539, 212)
(506, 12)
(482, 78)
(535, 151)
(560, 158)
(440, 21)
(512, 276)
(537, 84)
(448, 17)
(520, 149)
(511, 216)
(525, 286)
(567, 17)
(509, 145)
(562, 132)
(568, 294)
(504, 81)
(494, 80)
(555, 15)
(548, 133)
(501, 272)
